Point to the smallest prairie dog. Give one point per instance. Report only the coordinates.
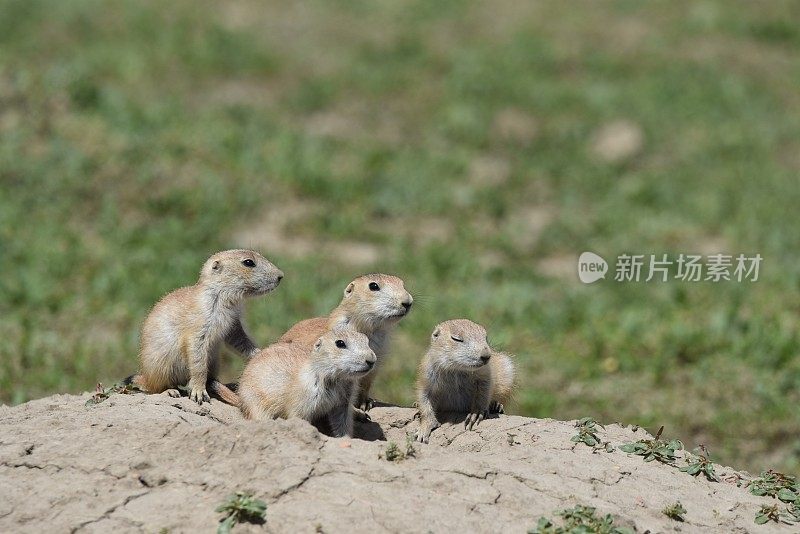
(461, 373)
(315, 383)
(182, 335)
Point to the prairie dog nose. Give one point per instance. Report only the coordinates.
(406, 305)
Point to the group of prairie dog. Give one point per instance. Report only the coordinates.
(321, 369)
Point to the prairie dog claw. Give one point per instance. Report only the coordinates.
(199, 396)
(473, 419)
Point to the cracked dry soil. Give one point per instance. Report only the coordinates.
(139, 463)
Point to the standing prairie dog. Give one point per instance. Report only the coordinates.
(461, 373)
(316, 384)
(182, 335)
(372, 304)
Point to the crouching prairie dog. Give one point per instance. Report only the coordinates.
(372, 304)
(461, 373)
(317, 384)
(182, 335)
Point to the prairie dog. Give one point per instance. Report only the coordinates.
(182, 334)
(372, 304)
(314, 383)
(461, 373)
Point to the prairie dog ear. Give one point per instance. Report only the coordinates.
(318, 344)
(216, 266)
(349, 289)
(436, 333)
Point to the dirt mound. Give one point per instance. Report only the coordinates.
(137, 463)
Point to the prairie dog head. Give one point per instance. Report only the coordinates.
(345, 352)
(241, 272)
(376, 299)
(460, 344)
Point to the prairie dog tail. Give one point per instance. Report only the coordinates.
(503, 375)
(136, 380)
(223, 392)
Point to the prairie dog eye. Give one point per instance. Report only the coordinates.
(374, 287)
(454, 338)
(341, 344)
(248, 263)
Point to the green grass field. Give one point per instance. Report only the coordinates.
(474, 149)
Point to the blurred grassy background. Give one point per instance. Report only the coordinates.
(474, 149)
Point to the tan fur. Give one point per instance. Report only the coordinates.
(502, 366)
(316, 383)
(222, 392)
(184, 331)
(373, 313)
(461, 374)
